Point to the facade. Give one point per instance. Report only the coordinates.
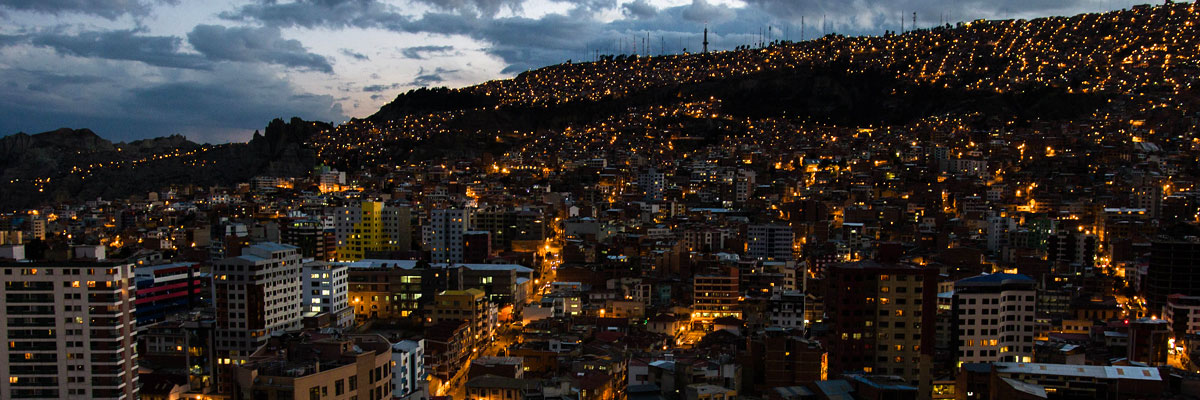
(1182, 314)
(312, 237)
(372, 226)
(167, 289)
(469, 305)
(287, 368)
(1172, 270)
(256, 294)
(507, 226)
(477, 246)
(444, 234)
(787, 309)
(396, 290)
(408, 367)
(769, 242)
(994, 317)
(716, 296)
(882, 318)
(325, 291)
(69, 329)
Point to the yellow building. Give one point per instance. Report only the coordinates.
(371, 226)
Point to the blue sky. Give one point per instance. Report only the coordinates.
(216, 70)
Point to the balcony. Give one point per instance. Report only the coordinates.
(18, 298)
(31, 334)
(30, 310)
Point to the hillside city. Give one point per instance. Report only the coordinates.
(991, 210)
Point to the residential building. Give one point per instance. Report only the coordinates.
(257, 294)
(769, 242)
(994, 317)
(70, 330)
(305, 366)
(408, 367)
(443, 234)
(371, 227)
(882, 319)
(325, 291)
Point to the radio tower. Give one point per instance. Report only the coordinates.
(706, 39)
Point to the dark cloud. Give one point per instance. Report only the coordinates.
(638, 9)
(486, 8)
(430, 78)
(248, 44)
(110, 9)
(703, 11)
(162, 51)
(420, 52)
(354, 54)
(380, 88)
(320, 13)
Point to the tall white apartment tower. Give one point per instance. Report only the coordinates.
(68, 329)
(256, 294)
(444, 234)
(994, 317)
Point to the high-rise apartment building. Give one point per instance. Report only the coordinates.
(257, 294)
(882, 318)
(372, 226)
(69, 330)
(994, 317)
(769, 242)
(443, 234)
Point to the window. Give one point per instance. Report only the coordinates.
(354, 383)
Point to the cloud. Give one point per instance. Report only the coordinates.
(420, 52)
(335, 14)
(248, 44)
(162, 51)
(354, 54)
(430, 78)
(638, 9)
(124, 100)
(703, 11)
(110, 9)
(486, 8)
(380, 88)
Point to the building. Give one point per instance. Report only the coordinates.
(715, 296)
(311, 236)
(1003, 380)
(470, 305)
(507, 226)
(443, 234)
(69, 330)
(325, 291)
(371, 227)
(167, 289)
(1182, 314)
(787, 309)
(769, 242)
(304, 366)
(781, 357)
(408, 367)
(882, 320)
(257, 294)
(994, 317)
(397, 289)
(182, 347)
(1172, 270)
(652, 183)
(477, 246)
